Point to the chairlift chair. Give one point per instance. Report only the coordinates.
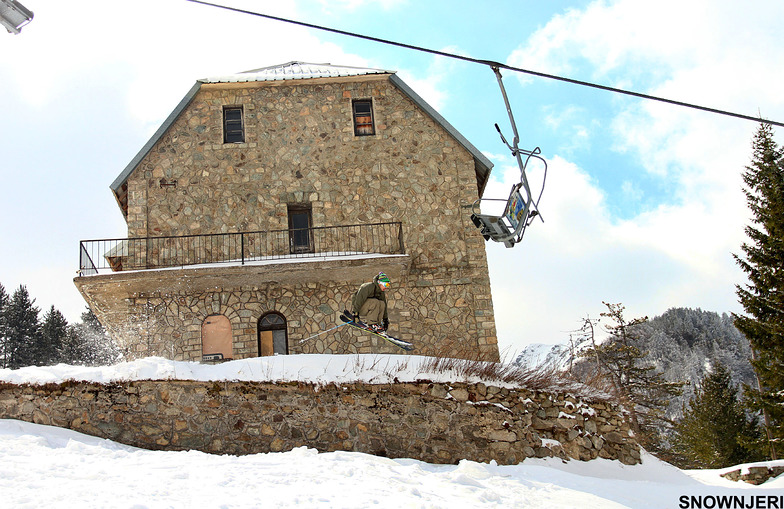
(13, 16)
(521, 208)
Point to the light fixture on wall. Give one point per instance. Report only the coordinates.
(13, 15)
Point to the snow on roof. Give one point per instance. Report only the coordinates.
(294, 71)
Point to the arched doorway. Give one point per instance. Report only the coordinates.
(216, 338)
(273, 335)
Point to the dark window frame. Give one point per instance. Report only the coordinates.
(233, 124)
(364, 119)
(300, 238)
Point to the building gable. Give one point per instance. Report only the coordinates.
(298, 71)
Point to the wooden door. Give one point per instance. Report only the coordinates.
(266, 345)
(216, 336)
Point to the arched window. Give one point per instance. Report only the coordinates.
(273, 337)
(216, 338)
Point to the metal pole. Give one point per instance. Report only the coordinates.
(322, 332)
(515, 149)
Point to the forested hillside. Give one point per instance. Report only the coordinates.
(682, 343)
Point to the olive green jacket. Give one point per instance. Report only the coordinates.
(368, 291)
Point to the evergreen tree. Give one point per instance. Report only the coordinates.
(763, 297)
(715, 431)
(4, 299)
(73, 349)
(23, 329)
(53, 333)
(87, 343)
(635, 383)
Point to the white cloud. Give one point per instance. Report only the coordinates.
(433, 86)
(573, 128)
(676, 252)
(580, 256)
(152, 55)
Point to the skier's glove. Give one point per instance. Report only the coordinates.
(386, 323)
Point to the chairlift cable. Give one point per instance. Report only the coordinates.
(491, 64)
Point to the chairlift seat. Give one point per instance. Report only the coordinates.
(508, 227)
(493, 227)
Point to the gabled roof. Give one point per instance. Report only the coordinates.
(299, 71)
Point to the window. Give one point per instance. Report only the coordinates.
(273, 338)
(233, 128)
(300, 228)
(363, 117)
(216, 338)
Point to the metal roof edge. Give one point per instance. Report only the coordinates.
(408, 91)
(120, 180)
(325, 64)
(296, 70)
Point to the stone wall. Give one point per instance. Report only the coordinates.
(754, 474)
(300, 150)
(433, 422)
(429, 315)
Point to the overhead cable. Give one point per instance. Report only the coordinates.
(492, 64)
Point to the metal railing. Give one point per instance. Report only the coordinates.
(242, 247)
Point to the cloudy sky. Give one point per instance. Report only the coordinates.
(643, 203)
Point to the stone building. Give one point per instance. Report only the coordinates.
(267, 197)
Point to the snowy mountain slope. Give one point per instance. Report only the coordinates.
(538, 355)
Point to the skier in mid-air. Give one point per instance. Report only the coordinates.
(369, 311)
(370, 303)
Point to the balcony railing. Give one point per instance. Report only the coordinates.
(240, 248)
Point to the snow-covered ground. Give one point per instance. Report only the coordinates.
(43, 466)
(312, 368)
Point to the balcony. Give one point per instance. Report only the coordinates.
(144, 253)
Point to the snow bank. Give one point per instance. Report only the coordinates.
(42, 466)
(308, 368)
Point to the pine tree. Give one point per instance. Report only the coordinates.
(763, 297)
(53, 333)
(635, 383)
(23, 329)
(87, 343)
(72, 350)
(4, 299)
(715, 431)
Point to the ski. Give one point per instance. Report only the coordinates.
(353, 321)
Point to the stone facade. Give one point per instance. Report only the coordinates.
(300, 150)
(433, 422)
